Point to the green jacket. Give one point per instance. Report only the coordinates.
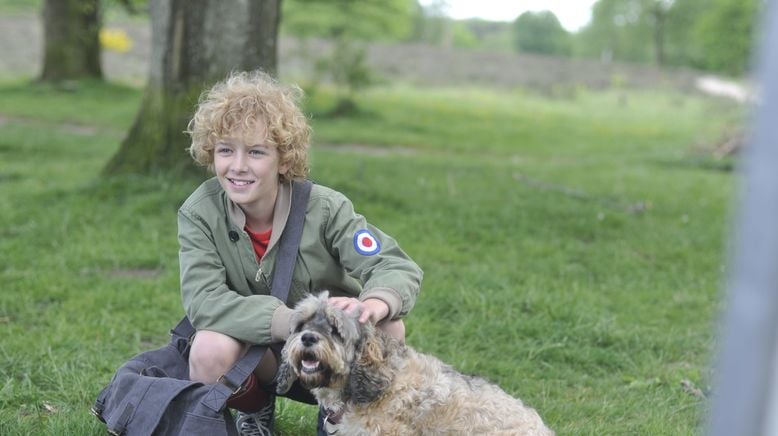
(225, 289)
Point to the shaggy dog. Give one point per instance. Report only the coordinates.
(370, 384)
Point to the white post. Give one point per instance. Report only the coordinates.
(745, 385)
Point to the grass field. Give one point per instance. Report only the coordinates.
(573, 248)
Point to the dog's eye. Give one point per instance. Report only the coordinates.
(298, 328)
(335, 332)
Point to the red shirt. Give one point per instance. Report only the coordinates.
(259, 241)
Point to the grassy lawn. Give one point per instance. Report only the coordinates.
(572, 248)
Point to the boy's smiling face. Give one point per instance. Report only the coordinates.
(247, 167)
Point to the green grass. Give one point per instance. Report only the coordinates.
(572, 248)
(10, 6)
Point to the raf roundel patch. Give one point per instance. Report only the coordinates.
(365, 243)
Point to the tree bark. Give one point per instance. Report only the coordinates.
(194, 44)
(660, 17)
(71, 39)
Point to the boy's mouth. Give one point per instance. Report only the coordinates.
(238, 182)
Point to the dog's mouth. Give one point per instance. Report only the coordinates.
(310, 364)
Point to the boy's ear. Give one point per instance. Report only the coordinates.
(283, 168)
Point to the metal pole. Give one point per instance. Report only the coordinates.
(745, 381)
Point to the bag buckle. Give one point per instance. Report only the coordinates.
(229, 384)
(98, 414)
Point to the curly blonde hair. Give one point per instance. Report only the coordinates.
(239, 102)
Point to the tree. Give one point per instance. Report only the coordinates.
(71, 40)
(364, 20)
(711, 34)
(682, 44)
(656, 11)
(431, 25)
(629, 30)
(488, 35)
(541, 32)
(348, 24)
(618, 30)
(726, 33)
(194, 44)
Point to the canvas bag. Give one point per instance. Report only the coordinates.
(151, 394)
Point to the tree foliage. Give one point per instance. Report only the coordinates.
(713, 34)
(346, 66)
(490, 35)
(430, 25)
(541, 32)
(619, 29)
(683, 46)
(348, 24)
(726, 34)
(368, 20)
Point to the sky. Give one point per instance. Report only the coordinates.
(573, 14)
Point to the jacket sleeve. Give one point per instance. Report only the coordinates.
(208, 301)
(372, 257)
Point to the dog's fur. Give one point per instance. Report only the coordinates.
(377, 386)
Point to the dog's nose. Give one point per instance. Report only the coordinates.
(309, 339)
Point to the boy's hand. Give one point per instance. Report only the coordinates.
(372, 309)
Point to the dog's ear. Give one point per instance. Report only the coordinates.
(286, 375)
(346, 326)
(369, 376)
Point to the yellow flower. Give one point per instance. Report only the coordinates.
(116, 40)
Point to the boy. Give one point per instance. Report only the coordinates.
(249, 131)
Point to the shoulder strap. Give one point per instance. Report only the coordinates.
(220, 392)
(289, 243)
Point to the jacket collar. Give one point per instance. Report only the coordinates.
(280, 213)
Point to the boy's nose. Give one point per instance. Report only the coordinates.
(239, 163)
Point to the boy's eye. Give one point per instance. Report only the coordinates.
(223, 150)
(256, 152)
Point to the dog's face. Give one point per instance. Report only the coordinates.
(322, 344)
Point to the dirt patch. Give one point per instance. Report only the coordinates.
(67, 127)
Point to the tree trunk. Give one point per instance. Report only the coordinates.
(194, 44)
(660, 16)
(72, 40)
